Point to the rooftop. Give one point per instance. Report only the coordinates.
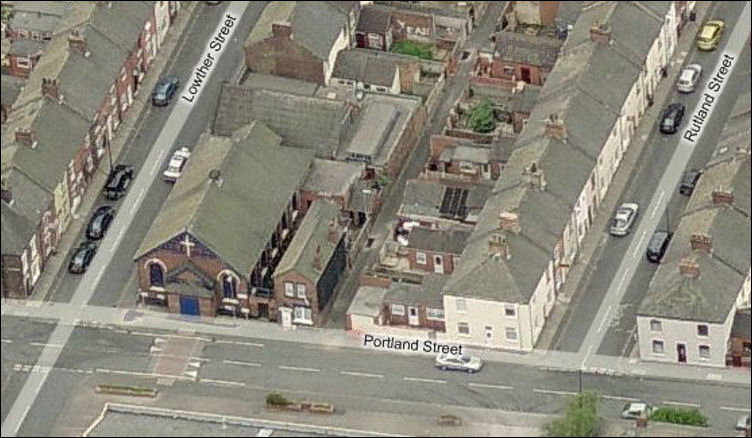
(527, 49)
(332, 178)
(450, 241)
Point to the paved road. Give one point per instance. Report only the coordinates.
(652, 171)
(158, 151)
(355, 379)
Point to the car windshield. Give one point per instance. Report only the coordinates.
(619, 222)
(466, 358)
(173, 168)
(78, 259)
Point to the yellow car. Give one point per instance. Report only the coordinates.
(710, 35)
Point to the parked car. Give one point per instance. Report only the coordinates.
(100, 222)
(176, 164)
(635, 410)
(743, 423)
(164, 90)
(658, 245)
(118, 182)
(710, 35)
(689, 78)
(464, 362)
(82, 257)
(624, 218)
(672, 118)
(689, 181)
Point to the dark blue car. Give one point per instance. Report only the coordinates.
(164, 90)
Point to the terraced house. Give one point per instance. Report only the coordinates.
(544, 202)
(59, 127)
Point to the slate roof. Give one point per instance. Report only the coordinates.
(261, 81)
(374, 20)
(302, 121)
(233, 220)
(24, 47)
(10, 88)
(527, 49)
(423, 197)
(332, 178)
(427, 293)
(450, 241)
(359, 65)
(742, 325)
(367, 301)
(585, 90)
(313, 233)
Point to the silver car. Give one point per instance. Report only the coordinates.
(634, 410)
(624, 218)
(457, 362)
(689, 78)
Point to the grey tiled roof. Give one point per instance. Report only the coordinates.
(427, 293)
(359, 65)
(303, 121)
(374, 20)
(367, 301)
(742, 325)
(332, 178)
(533, 50)
(10, 88)
(450, 241)
(258, 175)
(24, 47)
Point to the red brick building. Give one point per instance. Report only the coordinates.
(436, 251)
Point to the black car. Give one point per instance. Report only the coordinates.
(118, 181)
(672, 118)
(100, 222)
(82, 258)
(689, 181)
(164, 90)
(658, 245)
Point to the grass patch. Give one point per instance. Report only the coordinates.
(421, 50)
(686, 417)
(481, 117)
(274, 399)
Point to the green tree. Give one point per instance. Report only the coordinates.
(580, 418)
(481, 117)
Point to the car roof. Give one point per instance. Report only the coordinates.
(687, 73)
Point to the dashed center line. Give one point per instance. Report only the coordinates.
(308, 370)
(419, 379)
(487, 385)
(6, 341)
(620, 398)
(247, 344)
(678, 403)
(359, 374)
(222, 382)
(552, 391)
(238, 362)
(42, 344)
(733, 409)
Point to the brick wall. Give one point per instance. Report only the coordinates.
(280, 56)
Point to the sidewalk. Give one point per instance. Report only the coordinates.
(131, 123)
(592, 245)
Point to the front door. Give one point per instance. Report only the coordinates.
(438, 264)
(412, 315)
(525, 73)
(189, 305)
(681, 353)
(489, 335)
(263, 310)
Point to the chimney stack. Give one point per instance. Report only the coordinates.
(333, 232)
(722, 196)
(534, 176)
(26, 137)
(76, 42)
(51, 88)
(281, 29)
(498, 246)
(600, 33)
(317, 263)
(689, 267)
(5, 192)
(215, 176)
(701, 242)
(555, 127)
(509, 221)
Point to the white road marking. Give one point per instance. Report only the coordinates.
(138, 374)
(247, 344)
(639, 244)
(155, 165)
(733, 409)
(418, 379)
(606, 318)
(486, 385)
(222, 382)
(657, 204)
(620, 398)
(6, 341)
(677, 403)
(308, 370)
(587, 356)
(359, 374)
(42, 344)
(552, 391)
(238, 362)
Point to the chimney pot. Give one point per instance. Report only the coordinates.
(317, 263)
(701, 242)
(333, 232)
(51, 88)
(281, 29)
(215, 176)
(509, 221)
(600, 33)
(722, 196)
(689, 267)
(498, 246)
(555, 128)
(26, 137)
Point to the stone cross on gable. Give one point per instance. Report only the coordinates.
(188, 245)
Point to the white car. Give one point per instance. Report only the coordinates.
(743, 423)
(635, 410)
(689, 78)
(176, 164)
(624, 218)
(459, 362)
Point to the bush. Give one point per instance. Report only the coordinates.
(687, 417)
(422, 51)
(481, 117)
(580, 418)
(275, 399)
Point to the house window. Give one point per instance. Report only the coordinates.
(463, 328)
(381, 89)
(704, 352)
(702, 330)
(23, 33)
(435, 314)
(367, 86)
(303, 315)
(156, 275)
(509, 70)
(229, 286)
(461, 305)
(35, 35)
(421, 258)
(655, 325)
(511, 333)
(289, 289)
(301, 290)
(657, 347)
(509, 311)
(398, 309)
(22, 62)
